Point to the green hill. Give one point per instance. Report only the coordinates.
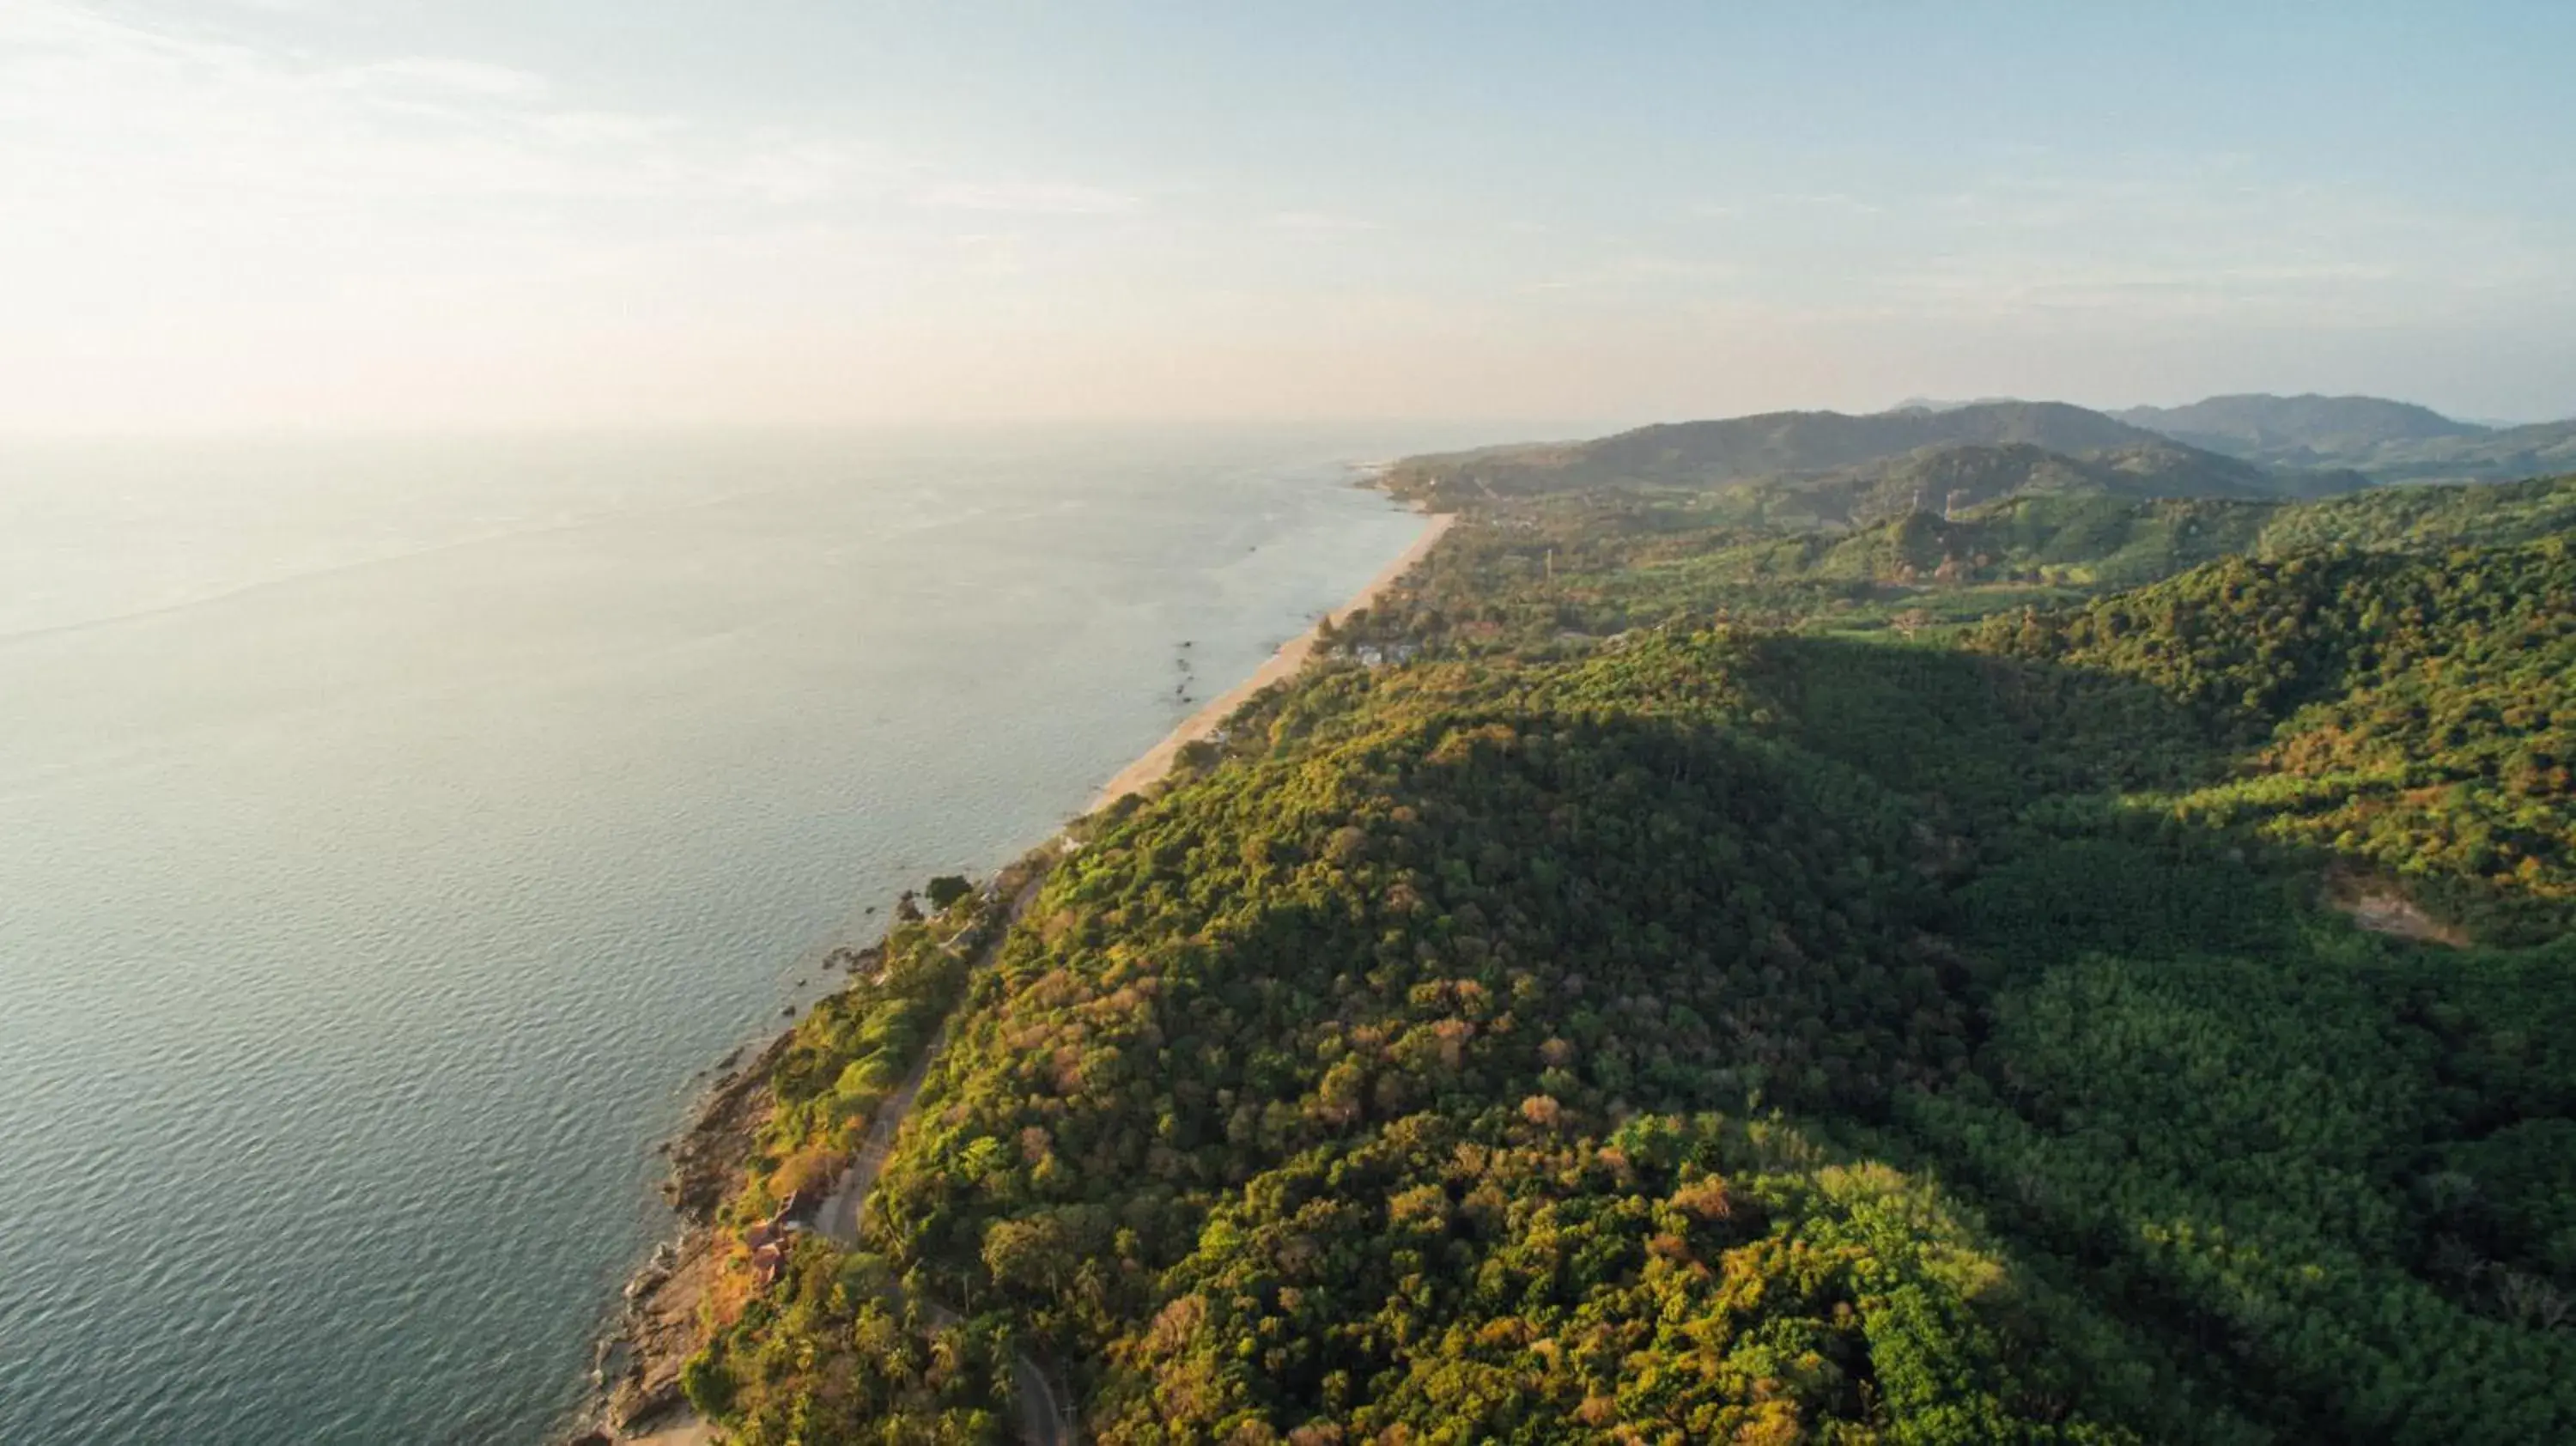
(2417, 713)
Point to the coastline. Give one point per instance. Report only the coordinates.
(1156, 762)
(636, 1379)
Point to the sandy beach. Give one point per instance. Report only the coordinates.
(1150, 768)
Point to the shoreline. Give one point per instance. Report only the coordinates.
(1156, 762)
(636, 1378)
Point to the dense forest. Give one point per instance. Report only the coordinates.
(2086, 967)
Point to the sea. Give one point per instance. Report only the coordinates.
(395, 831)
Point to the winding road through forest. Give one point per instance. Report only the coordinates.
(1044, 1419)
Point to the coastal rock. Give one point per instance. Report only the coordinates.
(640, 1364)
(615, 1360)
(635, 1406)
(705, 1159)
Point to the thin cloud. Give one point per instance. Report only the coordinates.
(1032, 198)
(100, 113)
(1647, 275)
(1777, 203)
(2201, 237)
(1830, 201)
(465, 77)
(1321, 222)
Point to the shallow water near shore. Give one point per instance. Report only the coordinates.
(392, 832)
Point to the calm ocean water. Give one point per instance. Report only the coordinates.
(390, 832)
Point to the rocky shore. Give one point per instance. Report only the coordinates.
(636, 1372)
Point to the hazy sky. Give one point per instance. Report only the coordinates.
(252, 213)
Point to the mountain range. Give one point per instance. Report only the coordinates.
(1829, 469)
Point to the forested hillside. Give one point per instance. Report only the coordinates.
(1666, 980)
(1947, 480)
(1558, 573)
(2408, 713)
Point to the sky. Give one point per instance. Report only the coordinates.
(311, 214)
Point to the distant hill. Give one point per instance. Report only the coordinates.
(1808, 469)
(2506, 454)
(2391, 441)
(2263, 426)
(1746, 447)
(1708, 454)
